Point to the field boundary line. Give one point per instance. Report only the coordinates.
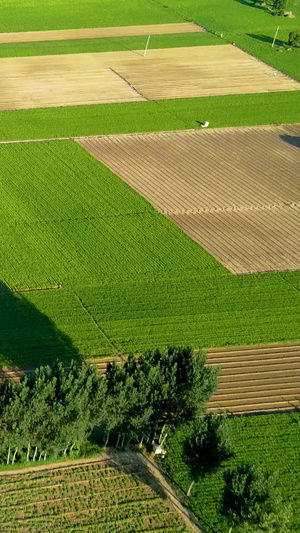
(129, 84)
(55, 288)
(229, 209)
(139, 459)
(95, 322)
(56, 465)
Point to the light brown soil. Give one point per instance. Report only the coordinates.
(256, 378)
(82, 79)
(92, 33)
(202, 71)
(235, 191)
(248, 240)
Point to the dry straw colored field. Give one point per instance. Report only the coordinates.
(98, 33)
(235, 191)
(78, 79)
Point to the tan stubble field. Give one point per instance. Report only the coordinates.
(113, 77)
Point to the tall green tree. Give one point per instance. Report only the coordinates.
(294, 38)
(209, 444)
(65, 404)
(278, 6)
(158, 388)
(252, 501)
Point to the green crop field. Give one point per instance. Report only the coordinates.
(232, 15)
(271, 441)
(164, 115)
(130, 279)
(102, 496)
(30, 15)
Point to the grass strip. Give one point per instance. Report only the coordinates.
(139, 117)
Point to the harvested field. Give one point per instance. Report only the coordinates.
(234, 191)
(99, 33)
(256, 378)
(202, 71)
(53, 81)
(78, 79)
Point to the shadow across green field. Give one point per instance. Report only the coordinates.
(27, 335)
(266, 39)
(253, 4)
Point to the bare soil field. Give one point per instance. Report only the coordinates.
(256, 378)
(248, 240)
(95, 78)
(235, 191)
(95, 33)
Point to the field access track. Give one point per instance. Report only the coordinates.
(99, 33)
(235, 191)
(261, 378)
(112, 77)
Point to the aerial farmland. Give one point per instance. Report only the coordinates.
(150, 198)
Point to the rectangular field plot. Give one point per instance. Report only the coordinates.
(202, 71)
(78, 79)
(236, 191)
(102, 495)
(66, 219)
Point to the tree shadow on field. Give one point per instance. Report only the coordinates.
(28, 338)
(291, 139)
(266, 39)
(251, 3)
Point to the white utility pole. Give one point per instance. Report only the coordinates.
(147, 45)
(275, 36)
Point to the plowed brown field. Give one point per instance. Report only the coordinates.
(256, 378)
(78, 79)
(252, 379)
(235, 191)
(248, 240)
(92, 33)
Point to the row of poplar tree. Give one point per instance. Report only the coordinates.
(56, 408)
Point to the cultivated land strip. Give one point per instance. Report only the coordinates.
(260, 378)
(95, 33)
(119, 490)
(113, 77)
(235, 191)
